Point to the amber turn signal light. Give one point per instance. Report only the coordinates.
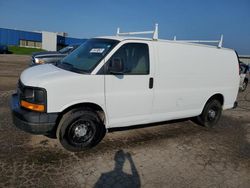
(31, 106)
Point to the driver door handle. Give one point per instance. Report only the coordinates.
(151, 83)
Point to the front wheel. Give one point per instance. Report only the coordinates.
(80, 129)
(210, 114)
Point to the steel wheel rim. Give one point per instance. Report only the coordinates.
(80, 131)
(212, 114)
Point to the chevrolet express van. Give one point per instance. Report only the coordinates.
(121, 81)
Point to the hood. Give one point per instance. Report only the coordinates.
(38, 76)
(46, 53)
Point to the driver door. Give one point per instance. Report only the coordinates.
(129, 92)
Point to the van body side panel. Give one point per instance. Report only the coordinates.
(75, 90)
(65, 88)
(188, 75)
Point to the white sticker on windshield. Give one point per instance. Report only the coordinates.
(97, 50)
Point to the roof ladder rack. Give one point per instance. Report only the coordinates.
(204, 41)
(155, 33)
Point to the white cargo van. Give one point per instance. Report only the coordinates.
(121, 81)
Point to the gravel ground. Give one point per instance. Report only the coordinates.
(172, 154)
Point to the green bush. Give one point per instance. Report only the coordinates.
(23, 50)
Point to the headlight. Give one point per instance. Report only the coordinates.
(33, 99)
(39, 61)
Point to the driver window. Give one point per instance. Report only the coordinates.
(135, 58)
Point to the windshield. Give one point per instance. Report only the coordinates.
(86, 57)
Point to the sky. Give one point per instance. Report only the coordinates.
(186, 19)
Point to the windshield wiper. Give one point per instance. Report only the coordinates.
(79, 71)
(64, 65)
(67, 64)
(71, 67)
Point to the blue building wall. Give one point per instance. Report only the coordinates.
(12, 37)
(69, 41)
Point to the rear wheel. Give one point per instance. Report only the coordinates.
(80, 129)
(210, 114)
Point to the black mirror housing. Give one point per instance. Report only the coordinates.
(116, 66)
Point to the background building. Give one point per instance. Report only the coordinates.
(37, 39)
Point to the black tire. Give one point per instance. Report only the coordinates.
(210, 114)
(80, 129)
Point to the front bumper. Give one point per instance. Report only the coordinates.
(33, 122)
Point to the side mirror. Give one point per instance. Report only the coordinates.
(116, 66)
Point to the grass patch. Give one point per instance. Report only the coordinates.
(23, 50)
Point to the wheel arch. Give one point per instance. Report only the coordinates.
(217, 96)
(93, 106)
